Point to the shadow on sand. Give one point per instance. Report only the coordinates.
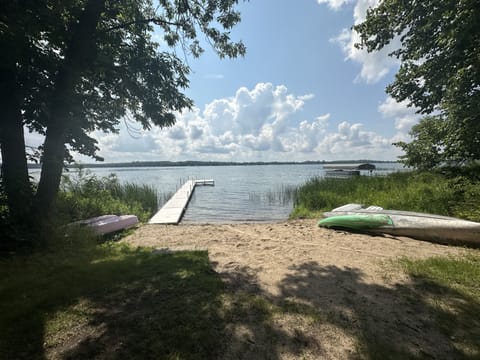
(191, 312)
(331, 312)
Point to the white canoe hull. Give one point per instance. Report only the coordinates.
(106, 224)
(430, 227)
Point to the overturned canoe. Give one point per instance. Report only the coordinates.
(356, 221)
(106, 224)
(430, 227)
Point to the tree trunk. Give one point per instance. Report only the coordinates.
(52, 166)
(79, 54)
(14, 160)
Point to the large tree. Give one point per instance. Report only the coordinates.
(69, 67)
(440, 67)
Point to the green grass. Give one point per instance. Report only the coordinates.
(430, 192)
(110, 301)
(458, 274)
(451, 286)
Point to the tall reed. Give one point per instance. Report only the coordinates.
(280, 195)
(430, 192)
(85, 195)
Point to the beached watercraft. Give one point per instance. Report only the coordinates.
(356, 221)
(106, 224)
(430, 227)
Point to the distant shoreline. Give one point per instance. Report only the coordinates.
(212, 163)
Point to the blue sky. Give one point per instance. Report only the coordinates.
(302, 92)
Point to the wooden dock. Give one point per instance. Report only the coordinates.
(172, 211)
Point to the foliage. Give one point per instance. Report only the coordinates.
(439, 69)
(124, 72)
(439, 51)
(448, 192)
(78, 66)
(85, 195)
(427, 150)
(438, 140)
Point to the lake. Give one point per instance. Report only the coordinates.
(241, 193)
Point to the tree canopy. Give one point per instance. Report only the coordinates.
(440, 65)
(427, 151)
(70, 67)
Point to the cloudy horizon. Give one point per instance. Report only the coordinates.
(316, 97)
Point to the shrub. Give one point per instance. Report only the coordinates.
(85, 195)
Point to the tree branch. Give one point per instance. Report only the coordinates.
(155, 20)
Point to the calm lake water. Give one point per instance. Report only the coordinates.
(240, 194)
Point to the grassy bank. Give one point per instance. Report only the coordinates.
(451, 193)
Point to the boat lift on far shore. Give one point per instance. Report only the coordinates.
(173, 210)
(347, 170)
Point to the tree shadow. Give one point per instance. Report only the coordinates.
(403, 321)
(250, 315)
(134, 304)
(142, 305)
(332, 312)
(175, 306)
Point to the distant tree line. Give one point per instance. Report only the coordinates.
(212, 163)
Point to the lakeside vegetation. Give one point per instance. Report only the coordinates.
(448, 191)
(83, 195)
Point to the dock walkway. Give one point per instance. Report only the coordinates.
(172, 211)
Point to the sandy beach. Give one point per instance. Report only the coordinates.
(349, 279)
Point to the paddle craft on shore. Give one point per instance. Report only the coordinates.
(430, 227)
(106, 224)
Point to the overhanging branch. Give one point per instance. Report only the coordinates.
(155, 20)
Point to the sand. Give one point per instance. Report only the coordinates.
(362, 300)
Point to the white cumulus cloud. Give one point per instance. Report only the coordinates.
(334, 4)
(404, 116)
(252, 121)
(261, 123)
(376, 65)
(351, 141)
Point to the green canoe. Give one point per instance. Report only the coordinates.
(356, 221)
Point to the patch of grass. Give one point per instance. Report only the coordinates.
(459, 274)
(452, 288)
(110, 301)
(429, 192)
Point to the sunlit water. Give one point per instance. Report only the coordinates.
(241, 193)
